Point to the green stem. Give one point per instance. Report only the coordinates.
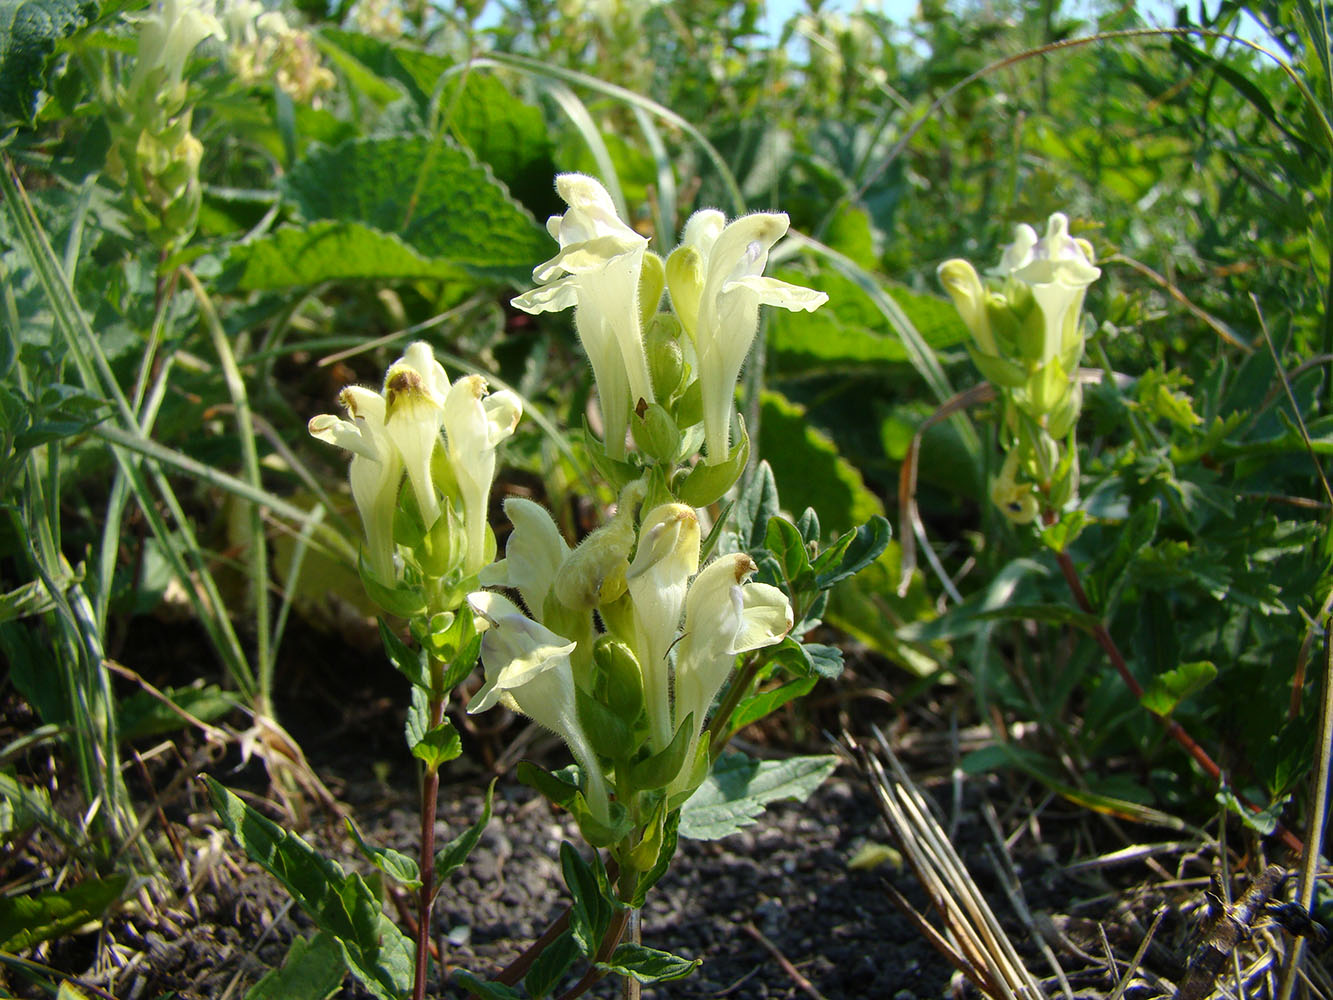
(430, 790)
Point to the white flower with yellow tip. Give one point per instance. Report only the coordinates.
(167, 36)
(415, 390)
(528, 671)
(1058, 269)
(475, 422)
(597, 272)
(376, 468)
(657, 579)
(717, 286)
(961, 281)
(725, 615)
(534, 554)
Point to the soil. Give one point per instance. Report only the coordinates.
(776, 911)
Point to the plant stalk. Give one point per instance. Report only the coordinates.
(1173, 728)
(430, 790)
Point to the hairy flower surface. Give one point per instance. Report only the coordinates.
(528, 671)
(474, 424)
(534, 554)
(667, 556)
(717, 286)
(725, 615)
(1058, 269)
(597, 272)
(376, 468)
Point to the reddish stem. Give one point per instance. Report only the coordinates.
(1172, 727)
(430, 789)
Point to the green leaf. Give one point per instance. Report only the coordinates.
(29, 31)
(650, 878)
(765, 703)
(1166, 691)
(662, 767)
(376, 951)
(859, 548)
(551, 964)
(450, 858)
(812, 472)
(460, 215)
(435, 745)
(735, 794)
(143, 714)
(755, 507)
(411, 663)
(784, 540)
(26, 921)
(395, 864)
(554, 788)
(590, 915)
(486, 990)
(312, 970)
(648, 965)
(328, 250)
(1132, 540)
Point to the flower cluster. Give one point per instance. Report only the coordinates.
(1029, 333)
(153, 151)
(397, 432)
(261, 44)
(673, 634)
(605, 271)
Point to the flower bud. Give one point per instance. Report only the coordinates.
(594, 573)
(655, 433)
(666, 360)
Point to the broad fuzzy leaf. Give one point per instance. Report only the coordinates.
(313, 970)
(739, 788)
(648, 965)
(29, 31)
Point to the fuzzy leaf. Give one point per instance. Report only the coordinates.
(460, 214)
(739, 788)
(29, 31)
(328, 250)
(395, 864)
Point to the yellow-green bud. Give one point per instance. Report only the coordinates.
(594, 573)
(655, 432)
(619, 679)
(666, 360)
(652, 282)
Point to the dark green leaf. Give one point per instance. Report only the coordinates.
(438, 745)
(551, 964)
(28, 920)
(826, 661)
(665, 853)
(1166, 691)
(29, 31)
(486, 990)
(859, 548)
(312, 970)
(648, 965)
(411, 663)
(590, 914)
(451, 857)
(765, 703)
(396, 865)
(555, 789)
(783, 539)
(755, 507)
(376, 951)
(1047, 614)
(739, 788)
